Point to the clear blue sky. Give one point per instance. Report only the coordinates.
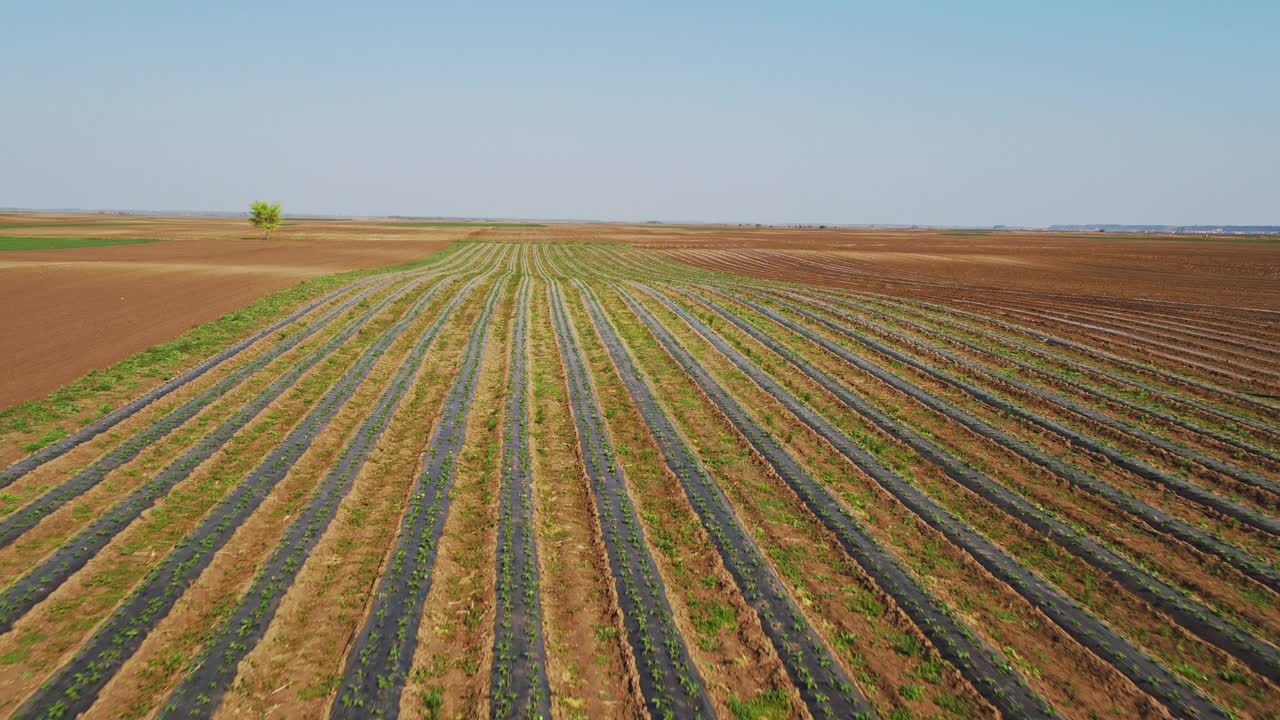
(844, 112)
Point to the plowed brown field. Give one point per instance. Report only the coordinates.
(64, 312)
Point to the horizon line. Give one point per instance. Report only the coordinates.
(1208, 228)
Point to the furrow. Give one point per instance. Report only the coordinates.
(823, 686)
(1154, 517)
(1078, 622)
(1184, 610)
(1060, 377)
(28, 516)
(75, 685)
(115, 417)
(200, 692)
(981, 664)
(35, 585)
(1262, 404)
(519, 676)
(1207, 498)
(669, 682)
(378, 662)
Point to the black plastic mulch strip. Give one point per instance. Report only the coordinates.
(1184, 610)
(983, 666)
(36, 584)
(904, 315)
(519, 677)
(823, 686)
(75, 686)
(1239, 474)
(200, 692)
(1128, 363)
(106, 422)
(1151, 516)
(1188, 490)
(379, 661)
(1086, 629)
(136, 444)
(669, 682)
(26, 517)
(1182, 353)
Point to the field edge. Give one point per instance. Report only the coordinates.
(35, 423)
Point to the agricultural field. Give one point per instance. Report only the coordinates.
(630, 471)
(117, 286)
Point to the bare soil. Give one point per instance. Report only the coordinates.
(65, 312)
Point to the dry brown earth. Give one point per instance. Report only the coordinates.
(64, 312)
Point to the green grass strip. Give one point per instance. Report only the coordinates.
(57, 243)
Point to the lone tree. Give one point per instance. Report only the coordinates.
(265, 216)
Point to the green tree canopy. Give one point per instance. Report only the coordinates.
(265, 216)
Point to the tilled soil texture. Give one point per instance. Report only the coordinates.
(1209, 305)
(66, 311)
(108, 302)
(587, 480)
(1219, 270)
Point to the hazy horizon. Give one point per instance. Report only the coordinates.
(922, 113)
(287, 213)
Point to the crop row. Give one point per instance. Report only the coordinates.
(669, 682)
(1065, 612)
(1007, 350)
(1188, 612)
(735, 261)
(1222, 364)
(1153, 517)
(213, 671)
(1245, 476)
(1128, 331)
(1191, 491)
(49, 574)
(519, 677)
(843, 494)
(1256, 653)
(823, 686)
(124, 412)
(379, 660)
(1249, 479)
(1130, 365)
(75, 685)
(979, 662)
(1035, 308)
(29, 515)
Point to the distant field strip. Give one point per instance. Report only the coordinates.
(463, 224)
(60, 243)
(581, 479)
(99, 223)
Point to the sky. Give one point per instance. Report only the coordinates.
(904, 112)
